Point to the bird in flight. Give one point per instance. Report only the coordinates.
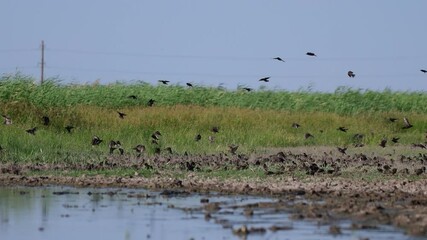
(351, 74)
(279, 59)
(342, 150)
(233, 148)
(342, 129)
(189, 84)
(69, 128)
(423, 71)
(96, 141)
(392, 119)
(165, 82)
(311, 54)
(132, 97)
(264, 79)
(121, 115)
(247, 89)
(308, 135)
(406, 123)
(395, 139)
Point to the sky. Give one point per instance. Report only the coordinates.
(221, 42)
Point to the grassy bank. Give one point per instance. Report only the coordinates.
(253, 120)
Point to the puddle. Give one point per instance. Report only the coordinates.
(100, 213)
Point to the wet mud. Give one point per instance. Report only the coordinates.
(323, 194)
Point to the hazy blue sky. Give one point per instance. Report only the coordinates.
(222, 41)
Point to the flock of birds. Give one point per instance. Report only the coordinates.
(350, 73)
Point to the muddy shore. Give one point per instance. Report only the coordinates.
(399, 199)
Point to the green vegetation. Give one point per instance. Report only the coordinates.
(255, 121)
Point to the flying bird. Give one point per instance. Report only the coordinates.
(279, 59)
(121, 115)
(406, 123)
(32, 130)
(342, 150)
(165, 82)
(351, 74)
(247, 89)
(7, 120)
(395, 139)
(189, 84)
(392, 119)
(132, 97)
(156, 135)
(96, 141)
(311, 54)
(233, 148)
(423, 71)
(308, 135)
(264, 79)
(46, 120)
(69, 128)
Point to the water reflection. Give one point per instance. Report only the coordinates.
(72, 213)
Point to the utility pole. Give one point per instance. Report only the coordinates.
(42, 65)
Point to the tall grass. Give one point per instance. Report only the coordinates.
(252, 120)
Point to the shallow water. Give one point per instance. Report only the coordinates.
(85, 213)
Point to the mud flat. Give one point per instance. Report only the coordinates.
(366, 189)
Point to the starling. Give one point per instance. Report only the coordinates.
(46, 120)
(156, 135)
(395, 139)
(351, 74)
(406, 123)
(295, 125)
(311, 54)
(392, 119)
(342, 150)
(139, 149)
(32, 130)
(343, 129)
(308, 135)
(211, 139)
(247, 89)
(215, 129)
(7, 120)
(165, 82)
(198, 137)
(96, 141)
(279, 59)
(233, 148)
(132, 97)
(121, 115)
(383, 143)
(113, 145)
(150, 102)
(189, 84)
(264, 79)
(69, 128)
(423, 71)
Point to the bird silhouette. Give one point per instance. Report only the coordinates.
(264, 79)
(132, 97)
(121, 115)
(342, 150)
(96, 141)
(406, 123)
(165, 82)
(279, 59)
(113, 145)
(189, 84)
(423, 71)
(32, 130)
(395, 139)
(295, 125)
(342, 129)
(247, 89)
(308, 135)
(46, 120)
(150, 102)
(156, 135)
(198, 137)
(140, 149)
(233, 148)
(215, 129)
(392, 119)
(351, 74)
(311, 54)
(7, 120)
(69, 128)
(383, 142)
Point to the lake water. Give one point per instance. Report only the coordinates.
(68, 213)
